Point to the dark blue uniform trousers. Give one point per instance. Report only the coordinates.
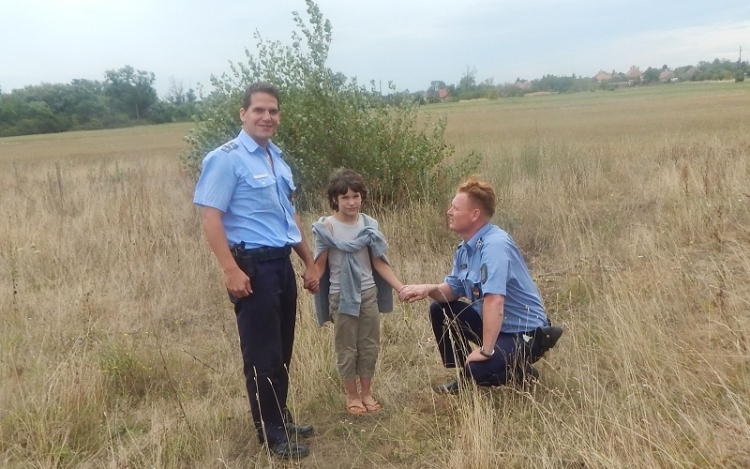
(457, 323)
(266, 322)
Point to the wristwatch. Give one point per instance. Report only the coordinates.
(485, 354)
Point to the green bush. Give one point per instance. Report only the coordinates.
(328, 122)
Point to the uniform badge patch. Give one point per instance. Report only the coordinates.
(229, 147)
(464, 266)
(476, 292)
(483, 273)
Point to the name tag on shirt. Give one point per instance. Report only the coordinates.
(260, 176)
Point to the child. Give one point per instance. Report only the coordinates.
(354, 285)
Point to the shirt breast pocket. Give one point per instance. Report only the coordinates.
(287, 185)
(261, 192)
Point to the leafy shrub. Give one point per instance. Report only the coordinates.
(330, 122)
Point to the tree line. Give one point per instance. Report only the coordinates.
(469, 88)
(125, 97)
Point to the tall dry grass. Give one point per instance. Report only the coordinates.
(118, 347)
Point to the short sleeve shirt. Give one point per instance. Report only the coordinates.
(255, 199)
(491, 263)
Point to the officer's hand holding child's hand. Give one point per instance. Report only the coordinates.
(403, 293)
(412, 293)
(310, 280)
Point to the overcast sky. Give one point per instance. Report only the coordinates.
(410, 42)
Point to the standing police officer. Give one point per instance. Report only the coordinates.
(245, 189)
(505, 316)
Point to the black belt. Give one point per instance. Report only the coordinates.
(260, 254)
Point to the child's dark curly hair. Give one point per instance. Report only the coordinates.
(340, 182)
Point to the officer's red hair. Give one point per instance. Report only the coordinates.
(481, 193)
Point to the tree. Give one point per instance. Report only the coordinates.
(328, 124)
(88, 106)
(130, 91)
(436, 85)
(468, 80)
(651, 75)
(179, 105)
(176, 93)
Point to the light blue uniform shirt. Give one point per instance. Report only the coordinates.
(490, 262)
(256, 201)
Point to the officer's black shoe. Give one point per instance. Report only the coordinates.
(299, 430)
(550, 336)
(289, 450)
(448, 388)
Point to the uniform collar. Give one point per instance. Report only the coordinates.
(252, 146)
(474, 243)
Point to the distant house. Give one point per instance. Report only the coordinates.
(634, 76)
(602, 76)
(667, 76)
(691, 73)
(523, 84)
(442, 94)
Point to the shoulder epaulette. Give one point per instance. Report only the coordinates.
(229, 147)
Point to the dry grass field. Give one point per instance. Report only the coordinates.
(118, 347)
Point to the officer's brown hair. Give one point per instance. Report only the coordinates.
(340, 182)
(260, 87)
(481, 193)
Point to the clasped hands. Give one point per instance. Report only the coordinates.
(412, 293)
(310, 279)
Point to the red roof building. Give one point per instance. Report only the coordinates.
(667, 75)
(602, 76)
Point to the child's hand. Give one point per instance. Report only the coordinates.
(412, 293)
(408, 293)
(403, 293)
(310, 279)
